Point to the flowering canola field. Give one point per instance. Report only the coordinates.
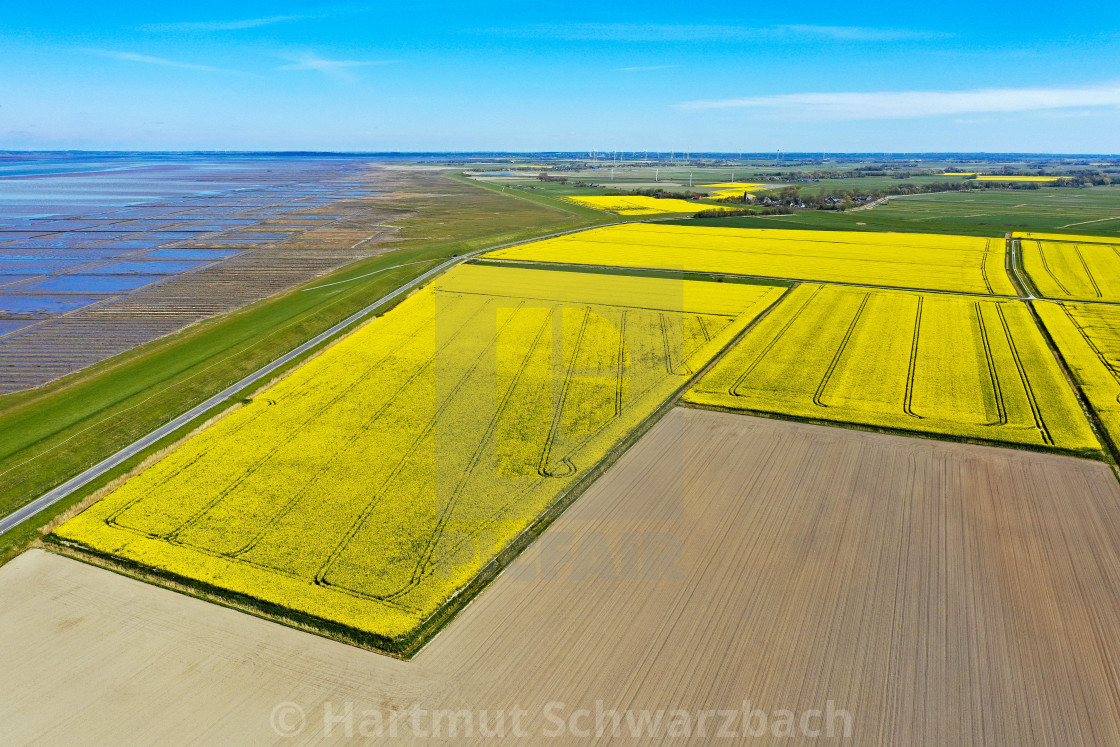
(906, 260)
(999, 178)
(1067, 270)
(1088, 337)
(640, 205)
(370, 486)
(729, 189)
(970, 368)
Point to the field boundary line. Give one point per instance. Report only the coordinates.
(765, 279)
(1097, 455)
(699, 375)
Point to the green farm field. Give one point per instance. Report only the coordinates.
(989, 212)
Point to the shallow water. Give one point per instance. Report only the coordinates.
(11, 325)
(79, 184)
(43, 304)
(192, 253)
(37, 266)
(141, 267)
(91, 283)
(100, 226)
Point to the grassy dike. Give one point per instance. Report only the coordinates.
(49, 434)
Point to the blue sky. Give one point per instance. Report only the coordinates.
(924, 76)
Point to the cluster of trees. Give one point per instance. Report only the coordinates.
(778, 210)
(842, 199)
(663, 193)
(546, 177)
(1088, 179)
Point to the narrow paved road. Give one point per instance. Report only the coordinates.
(48, 499)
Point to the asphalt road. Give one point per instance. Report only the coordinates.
(52, 497)
(49, 499)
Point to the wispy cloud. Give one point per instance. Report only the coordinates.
(334, 68)
(233, 25)
(645, 68)
(649, 32)
(910, 104)
(149, 60)
(860, 33)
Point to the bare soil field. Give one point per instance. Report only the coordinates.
(936, 593)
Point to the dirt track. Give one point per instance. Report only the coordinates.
(940, 593)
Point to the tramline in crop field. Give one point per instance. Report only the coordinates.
(969, 368)
(372, 485)
(903, 260)
(1088, 337)
(1059, 269)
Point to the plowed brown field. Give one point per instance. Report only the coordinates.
(940, 593)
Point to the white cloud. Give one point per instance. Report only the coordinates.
(149, 60)
(860, 33)
(236, 25)
(909, 104)
(335, 68)
(652, 32)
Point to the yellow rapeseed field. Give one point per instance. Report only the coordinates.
(998, 178)
(372, 484)
(902, 260)
(639, 205)
(1088, 336)
(1062, 269)
(730, 189)
(971, 368)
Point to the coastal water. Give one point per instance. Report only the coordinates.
(38, 185)
(77, 229)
